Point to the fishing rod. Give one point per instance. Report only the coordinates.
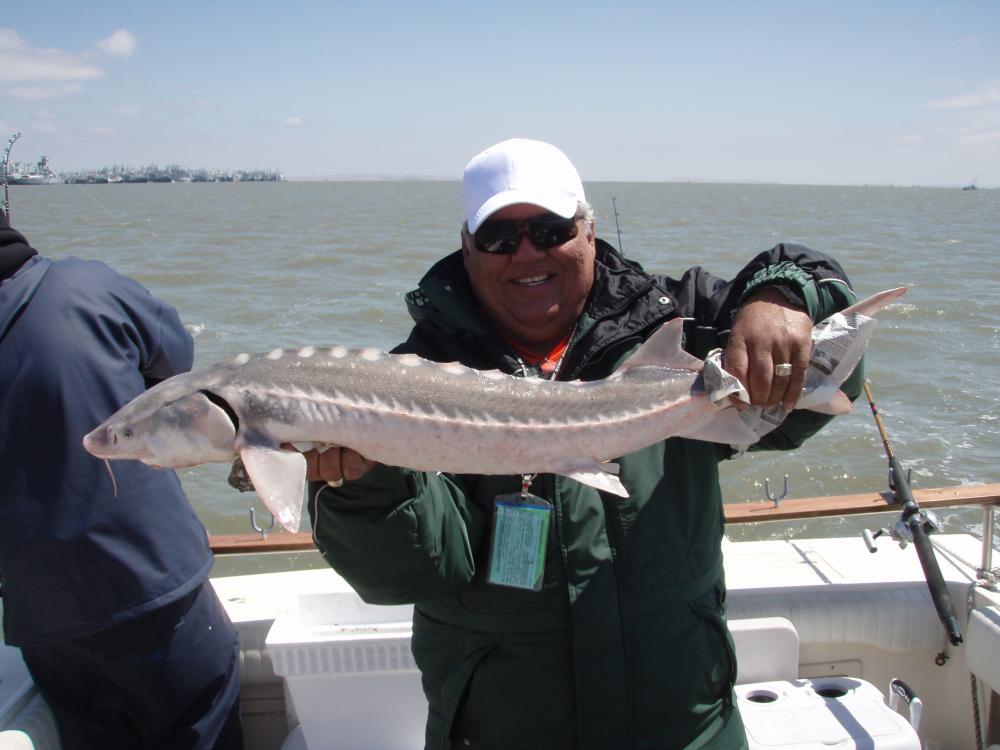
(5, 206)
(914, 526)
(614, 207)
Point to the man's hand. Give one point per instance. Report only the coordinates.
(769, 331)
(335, 464)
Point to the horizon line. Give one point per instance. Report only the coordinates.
(669, 180)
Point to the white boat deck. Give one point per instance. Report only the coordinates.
(758, 566)
(832, 561)
(853, 612)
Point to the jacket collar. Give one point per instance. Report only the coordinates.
(615, 309)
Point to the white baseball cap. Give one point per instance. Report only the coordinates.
(520, 171)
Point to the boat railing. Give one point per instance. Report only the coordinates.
(986, 496)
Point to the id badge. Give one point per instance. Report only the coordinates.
(520, 537)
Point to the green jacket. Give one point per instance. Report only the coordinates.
(626, 644)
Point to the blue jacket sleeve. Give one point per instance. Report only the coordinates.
(164, 345)
(174, 352)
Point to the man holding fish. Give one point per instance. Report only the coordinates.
(550, 613)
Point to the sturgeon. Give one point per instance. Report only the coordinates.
(402, 410)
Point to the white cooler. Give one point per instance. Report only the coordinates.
(831, 713)
(351, 679)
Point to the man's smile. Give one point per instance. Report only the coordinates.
(532, 280)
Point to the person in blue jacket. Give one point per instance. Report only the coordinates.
(104, 581)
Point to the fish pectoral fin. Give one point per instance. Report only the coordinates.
(598, 475)
(280, 479)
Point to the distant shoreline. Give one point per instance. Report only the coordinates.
(97, 178)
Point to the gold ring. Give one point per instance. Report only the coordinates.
(783, 370)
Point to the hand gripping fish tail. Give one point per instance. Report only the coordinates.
(402, 410)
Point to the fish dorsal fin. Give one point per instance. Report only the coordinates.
(663, 349)
(279, 477)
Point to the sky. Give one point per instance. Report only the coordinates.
(802, 92)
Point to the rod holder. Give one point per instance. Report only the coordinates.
(771, 497)
(900, 691)
(262, 531)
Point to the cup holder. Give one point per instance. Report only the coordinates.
(834, 689)
(761, 696)
(831, 691)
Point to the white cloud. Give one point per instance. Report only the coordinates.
(19, 61)
(988, 94)
(293, 121)
(971, 126)
(121, 43)
(127, 110)
(981, 137)
(53, 91)
(103, 131)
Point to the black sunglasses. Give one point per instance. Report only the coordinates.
(502, 236)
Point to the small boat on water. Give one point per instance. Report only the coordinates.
(829, 637)
(972, 184)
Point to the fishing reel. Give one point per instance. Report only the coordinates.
(902, 532)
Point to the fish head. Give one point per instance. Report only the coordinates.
(188, 430)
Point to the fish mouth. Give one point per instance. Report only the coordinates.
(98, 442)
(102, 442)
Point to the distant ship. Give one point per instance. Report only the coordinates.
(972, 185)
(40, 174)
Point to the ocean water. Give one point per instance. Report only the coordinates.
(252, 266)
